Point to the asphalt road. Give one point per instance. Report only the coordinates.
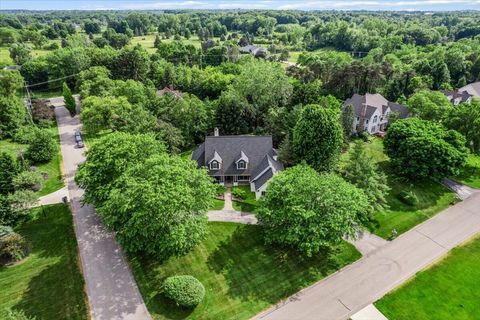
(111, 289)
(367, 280)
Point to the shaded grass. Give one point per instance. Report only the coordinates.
(249, 204)
(52, 168)
(241, 275)
(447, 290)
(48, 284)
(217, 204)
(432, 197)
(470, 174)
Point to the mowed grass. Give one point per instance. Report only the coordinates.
(217, 204)
(48, 283)
(148, 41)
(51, 168)
(249, 204)
(448, 290)
(470, 174)
(432, 197)
(241, 275)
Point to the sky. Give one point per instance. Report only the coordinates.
(425, 5)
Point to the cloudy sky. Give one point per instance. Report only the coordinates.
(428, 5)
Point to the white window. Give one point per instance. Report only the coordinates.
(214, 165)
(358, 119)
(241, 165)
(375, 119)
(367, 121)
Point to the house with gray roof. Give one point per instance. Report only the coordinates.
(473, 89)
(371, 112)
(239, 160)
(456, 96)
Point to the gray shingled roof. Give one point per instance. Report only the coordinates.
(374, 102)
(472, 88)
(263, 179)
(229, 148)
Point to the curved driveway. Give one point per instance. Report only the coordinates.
(111, 290)
(346, 292)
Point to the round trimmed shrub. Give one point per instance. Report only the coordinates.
(42, 148)
(31, 180)
(186, 290)
(13, 247)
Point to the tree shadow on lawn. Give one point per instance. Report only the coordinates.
(50, 296)
(254, 271)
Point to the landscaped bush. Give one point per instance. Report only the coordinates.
(17, 315)
(28, 180)
(13, 247)
(408, 197)
(221, 189)
(239, 193)
(26, 134)
(42, 148)
(186, 290)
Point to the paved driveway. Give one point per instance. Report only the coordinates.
(111, 290)
(367, 280)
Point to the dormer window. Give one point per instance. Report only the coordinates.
(214, 165)
(241, 165)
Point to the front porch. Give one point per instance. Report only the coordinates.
(233, 180)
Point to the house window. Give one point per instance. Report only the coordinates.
(358, 119)
(375, 119)
(243, 178)
(214, 165)
(241, 165)
(367, 121)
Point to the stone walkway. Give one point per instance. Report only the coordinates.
(229, 214)
(53, 198)
(462, 191)
(370, 312)
(367, 242)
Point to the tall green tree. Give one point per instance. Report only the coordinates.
(465, 118)
(347, 118)
(422, 149)
(20, 53)
(429, 105)
(109, 158)
(363, 172)
(68, 99)
(8, 170)
(144, 208)
(310, 212)
(318, 137)
(42, 148)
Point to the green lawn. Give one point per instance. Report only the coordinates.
(249, 204)
(432, 197)
(217, 204)
(48, 283)
(241, 275)
(470, 175)
(52, 168)
(447, 290)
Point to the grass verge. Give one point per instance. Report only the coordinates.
(447, 290)
(48, 283)
(241, 275)
(470, 174)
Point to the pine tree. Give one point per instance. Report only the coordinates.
(69, 99)
(157, 42)
(364, 173)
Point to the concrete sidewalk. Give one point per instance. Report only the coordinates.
(111, 289)
(346, 292)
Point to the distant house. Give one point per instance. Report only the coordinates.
(254, 50)
(239, 160)
(371, 112)
(472, 88)
(456, 96)
(177, 94)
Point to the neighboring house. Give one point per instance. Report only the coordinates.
(239, 160)
(371, 112)
(472, 89)
(254, 50)
(177, 94)
(456, 96)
